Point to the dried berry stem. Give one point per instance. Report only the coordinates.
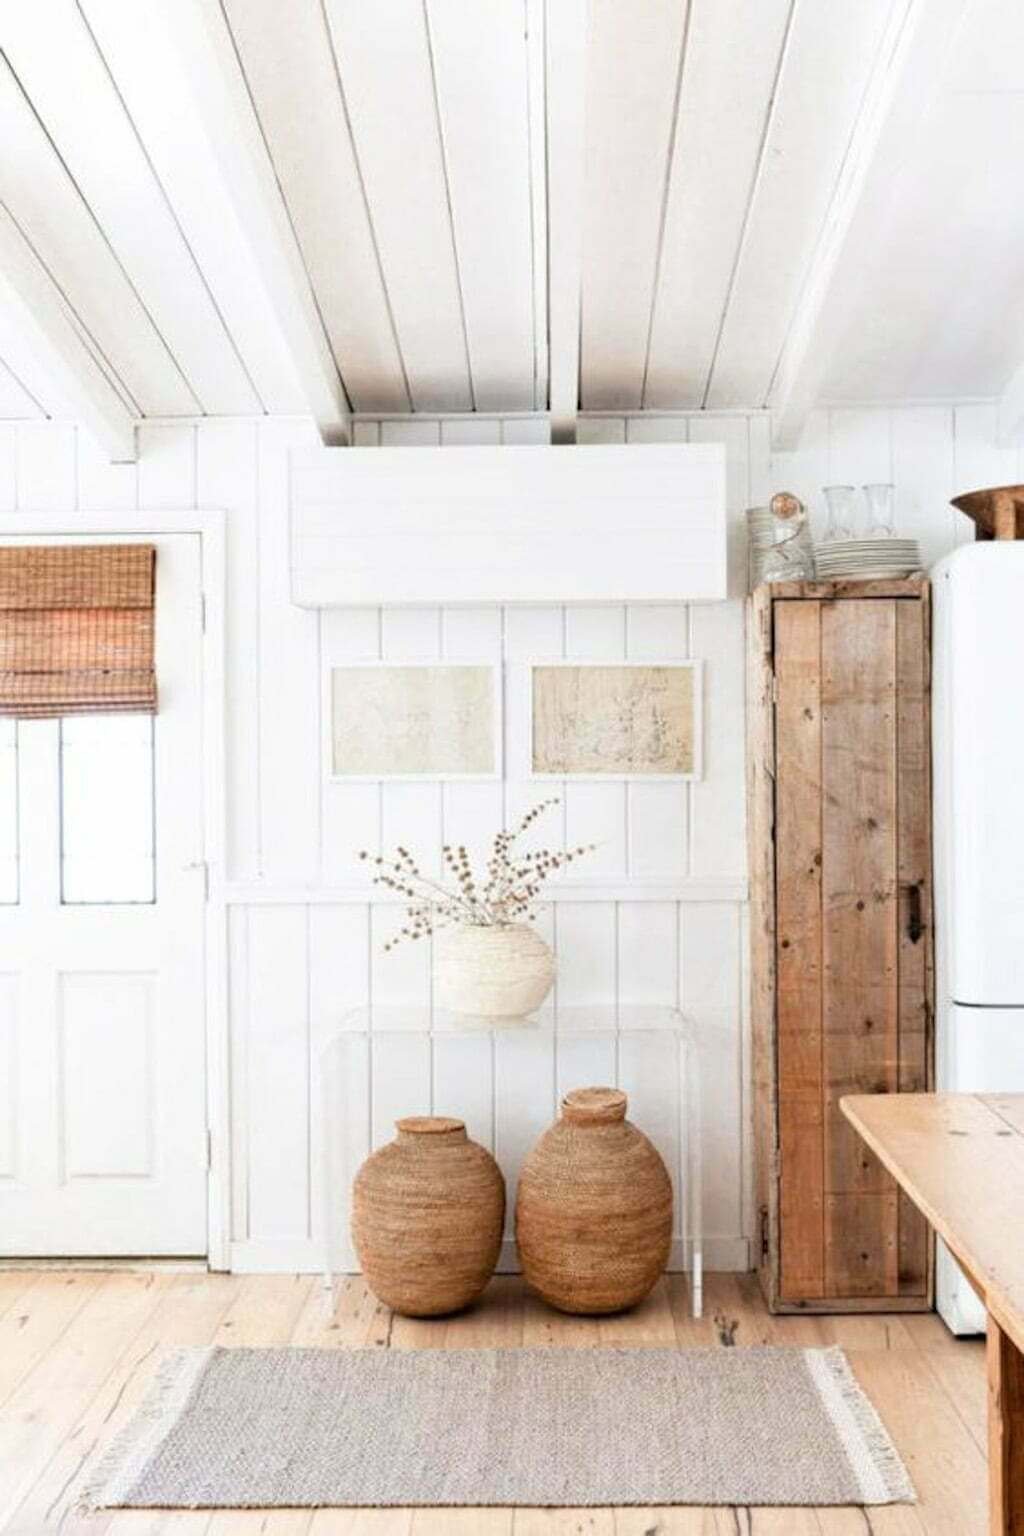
(509, 893)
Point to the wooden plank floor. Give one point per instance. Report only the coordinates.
(77, 1350)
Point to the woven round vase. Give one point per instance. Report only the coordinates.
(593, 1208)
(500, 972)
(428, 1212)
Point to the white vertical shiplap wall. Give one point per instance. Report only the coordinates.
(663, 916)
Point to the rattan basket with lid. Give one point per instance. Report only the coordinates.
(593, 1208)
(427, 1217)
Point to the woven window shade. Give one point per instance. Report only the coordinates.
(76, 629)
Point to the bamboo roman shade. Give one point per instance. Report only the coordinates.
(76, 629)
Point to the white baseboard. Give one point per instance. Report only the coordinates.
(275, 1256)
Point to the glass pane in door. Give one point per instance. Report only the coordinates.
(107, 809)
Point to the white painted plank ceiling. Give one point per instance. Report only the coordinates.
(407, 146)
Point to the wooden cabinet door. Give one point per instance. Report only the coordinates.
(852, 933)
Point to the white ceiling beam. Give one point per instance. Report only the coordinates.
(907, 75)
(1010, 416)
(33, 314)
(565, 94)
(221, 94)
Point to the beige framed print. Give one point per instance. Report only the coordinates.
(413, 720)
(616, 720)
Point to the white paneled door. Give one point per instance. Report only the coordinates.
(102, 1025)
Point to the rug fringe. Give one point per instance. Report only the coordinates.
(167, 1397)
(875, 1460)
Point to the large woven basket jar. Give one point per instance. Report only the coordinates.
(501, 972)
(428, 1212)
(593, 1208)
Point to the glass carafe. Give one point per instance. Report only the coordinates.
(881, 500)
(841, 501)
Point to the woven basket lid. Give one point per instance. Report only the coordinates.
(430, 1125)
(594, 1106)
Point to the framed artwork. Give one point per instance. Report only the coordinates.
(414, 720)
(616, 720)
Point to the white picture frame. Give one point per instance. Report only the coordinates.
(619, 772)
(438, 761)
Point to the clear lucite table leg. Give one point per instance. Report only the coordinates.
(690, 1168)
(694, 1115)
(328, 1189)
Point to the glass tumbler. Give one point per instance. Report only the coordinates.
(841, 502)
(881, 501)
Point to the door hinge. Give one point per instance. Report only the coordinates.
(209, 1150)
(774, 688)
(202, 611)
(763, 1216)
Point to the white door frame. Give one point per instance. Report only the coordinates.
(211, 528)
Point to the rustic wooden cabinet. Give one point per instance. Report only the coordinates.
(841, 932)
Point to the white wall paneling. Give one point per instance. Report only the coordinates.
(659, 916)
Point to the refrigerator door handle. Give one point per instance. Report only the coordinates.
(915, 919)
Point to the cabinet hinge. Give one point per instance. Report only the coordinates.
(774, 688)
(202, 611)
(763, 1216)
(209, 1150)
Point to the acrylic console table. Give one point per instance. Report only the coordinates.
(506, 1083)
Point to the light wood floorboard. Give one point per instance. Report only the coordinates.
(78, 1349)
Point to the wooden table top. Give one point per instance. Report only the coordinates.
(960, 1158)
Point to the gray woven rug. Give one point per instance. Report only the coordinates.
(262, 1428)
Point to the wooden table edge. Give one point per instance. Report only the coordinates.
(1003, 1349)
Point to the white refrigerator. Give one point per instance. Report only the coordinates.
(978, 767)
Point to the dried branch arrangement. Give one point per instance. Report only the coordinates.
(508, 894)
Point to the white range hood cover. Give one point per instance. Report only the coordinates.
(635, 523)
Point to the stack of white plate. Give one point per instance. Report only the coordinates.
(863, 559)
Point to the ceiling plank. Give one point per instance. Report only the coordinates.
(386, 74)
(41, 196)
(235, 137)
(927, 299)
(17, 403)
(536, 47)
(33, 312)
(634, 58)
(733, 49)
(567, 24)
(71, 89)
(480, 64)
(830, 50)
(286, 53)
(153, 82)
(906, 76)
